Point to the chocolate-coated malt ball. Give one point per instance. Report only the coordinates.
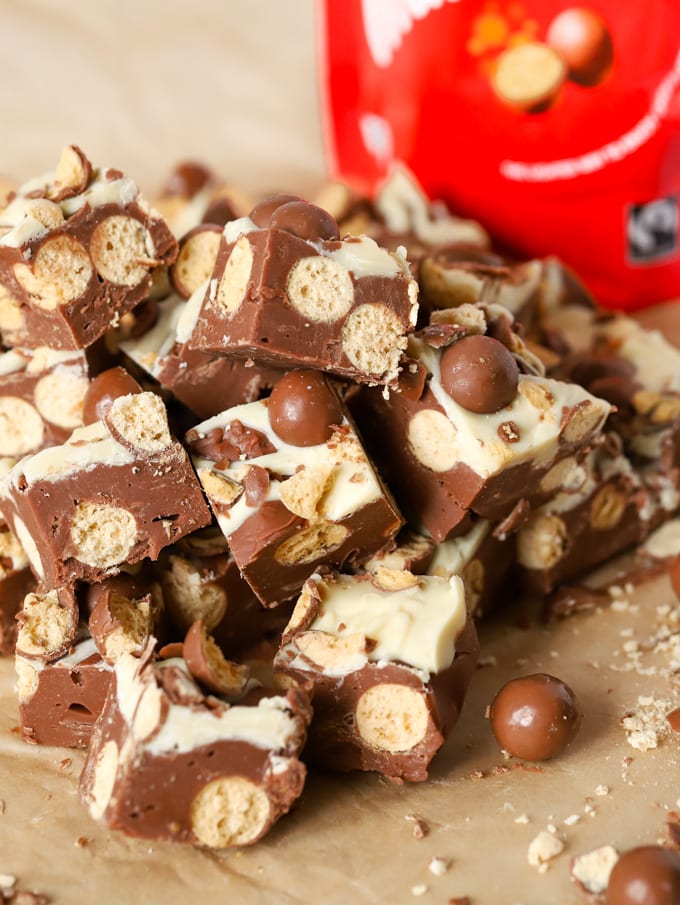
(649, 875)
(479, 373)
(187, 179)
(303, 408)
(582, 39)
(106, 387)
(535, 717)
(261, 214)
(305, 220)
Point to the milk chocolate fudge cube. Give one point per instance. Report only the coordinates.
(389, 657)
(167, 762)
(475, 435)
(288, 293)
(205, 382)
(78, 248)
(284, 507)
(117, 491)
(16, 581)
(41, 399)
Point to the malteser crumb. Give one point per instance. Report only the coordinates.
(439, 866)
(542, 849)
(419, 890)
(646, 726)
(591, 871)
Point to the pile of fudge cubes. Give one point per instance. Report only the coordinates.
(263, 467)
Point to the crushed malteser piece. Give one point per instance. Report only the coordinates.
(439, 866)
(571, 820)
(542, 849)
(591, 871)
(419, 890)
(7, 882)
(602, 790)
(523, 819)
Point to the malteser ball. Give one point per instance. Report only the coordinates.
(305, 220)
(187, 179)
(303, 408)
(583, 41)
(649, 875)
(261, 214)
(535, 717)
(479, 373)
(106, 387)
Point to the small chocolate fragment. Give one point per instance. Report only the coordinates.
(305, 220)
(479, 373)
(261, 214)
(303, 408)
(582, 39)
(535, 717)
(648, 875)
(106, 387)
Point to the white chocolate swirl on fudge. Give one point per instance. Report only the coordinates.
(418, 624)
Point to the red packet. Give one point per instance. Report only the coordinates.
(556, 125)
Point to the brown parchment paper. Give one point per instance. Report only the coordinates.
(140, 85)
(349, 840)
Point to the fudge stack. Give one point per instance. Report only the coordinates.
(258, 481)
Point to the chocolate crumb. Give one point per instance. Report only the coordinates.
(460, 900)
(420, 828)
(81, 842)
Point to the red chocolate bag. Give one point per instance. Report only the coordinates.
(556, 125)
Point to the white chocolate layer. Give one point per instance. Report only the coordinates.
(477, 442)
(270, 724)
(352, 485)
(416, 625)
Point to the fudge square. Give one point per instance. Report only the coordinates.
(288, 292)
(78, 248)
(389, 657)
(169, 762)
(291, 486)
(479, 432)
(117, 491)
